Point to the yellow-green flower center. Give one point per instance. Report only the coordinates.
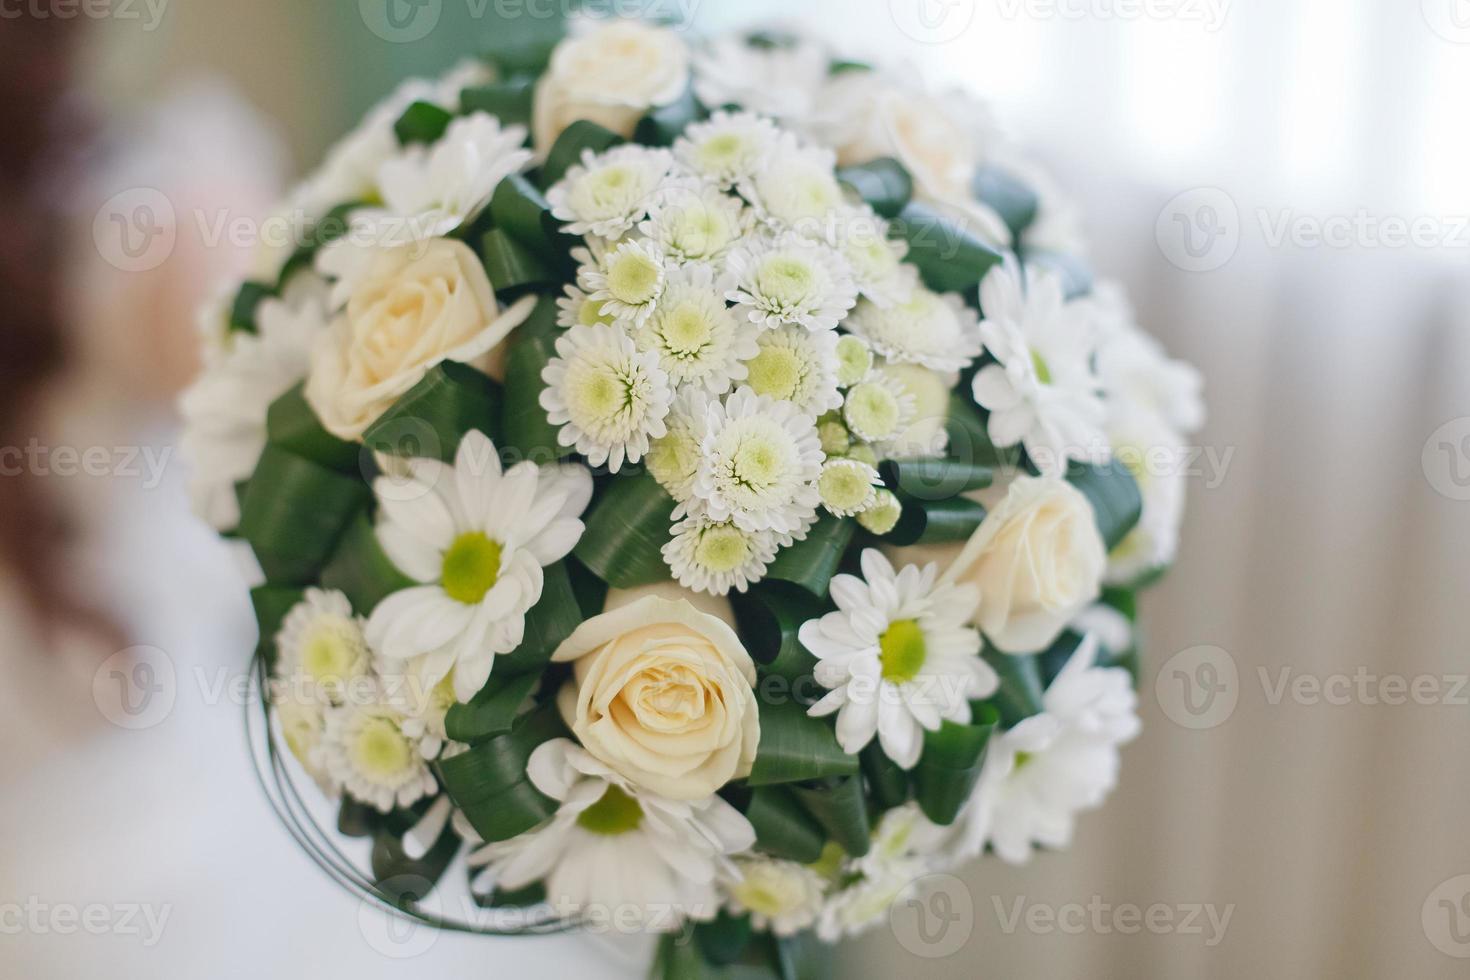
(633, 278)
(673, 459)
(786, 279)
(590, 313)
(471, 567)
(1022, 758)
(854, 360)
(699, 231)
(775, 372)
(721, 151)
(758, 463)
(616, 813)
(685, 329)
(872, 410)
(329, 654)
(901, 651)
(1043, 370)
(380, 751)
(844, 488)
(722, 549)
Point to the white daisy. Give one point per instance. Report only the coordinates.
(879, 409)
(1043, 392)
(224, 410)
(726, 148)
(626, 279)
(429, 191)
(607, 194)
(712, 557)
(321, 646)
(695, 223)
(848, 486)
(876, 259)
(366, 751)
(613, 847)
(609, 397)
(936, 330)
(791, 280)
(673, 458)
(781, 897)
(1158, 459)
(796, 187)
(573, 307)
(783, 81)
(759, 462)
(1039, 774)
(796, 365)
(898, 657)
(475, 538)
(698, 339)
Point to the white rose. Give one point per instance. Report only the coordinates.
(612, 76)
(664, 695)
(409, 308)
(1038, 561)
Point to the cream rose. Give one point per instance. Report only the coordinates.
(411, 307)
(612, 75)
(1038, 561)
(665, 695)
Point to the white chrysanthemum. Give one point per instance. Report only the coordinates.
(321, 646)
(429, 191)
(608, 397)
(783, 81)
(796, 365)
(727, 148)
(573, 308)
(673, 458)
(866, 902)
(695, 223)
(607, 194)
(1043, 392)
(936, 330)
(698, 339)
(712, 557)
(366, 751)
(626, 280)
(224, 409)
(475, 538)
(848, 486)
(796, 187)
(759, 463)
(876, 259)
(791, 280)
(425, 708)
(902, 835)
(781, 897)
(1039, 774)
(303, 725)
(1159, 461)
(879, 409)
(882, 514)
(854, 360)
(617, 849)
(898, 656)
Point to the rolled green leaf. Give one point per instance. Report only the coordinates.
(812, 562)
(512, 267)
(950, 766)
(271, 603)
(291, 424)
(548, 623)
(795, 747)
(883, 183)
(626, 531)
(524, 214)
(493, 710)
(724, 939)
(293, 512)
(489, 783)
(422, 122)
(1012, 199)
(935, 521)
(1021, 687)
(770, 616)
(838, 805)
(500, 898)
(667, 123)
(434, 415)
(567, 150)
(888, 784)
(357, 819)
(242, 310)
(406, 881)
(361, 570)
(1116, 501)
(525, 431)
(783, 827)
(1125, 600)
(950, 258)
(509, 101)
(936, 478)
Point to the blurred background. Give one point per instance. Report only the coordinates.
(1285, 190)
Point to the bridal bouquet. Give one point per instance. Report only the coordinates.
(697, 487)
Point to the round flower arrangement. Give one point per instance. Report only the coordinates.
(693, 485)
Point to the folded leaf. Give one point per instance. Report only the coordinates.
(567, 150)
(509, 101)
(812, 562)
(1021, 687)
(950, 765)
(493, 710)
(950, 258)
(525, 430)
(488, 782)
(936, 478)
(291, 424)
(770, 616)
(626, 530)
(1012, 200)
(434, 415)
(293, 512)
(935, 521)
(838, 805)
(1114, 495)
(783, 827)
(883, 183)
(272, 604)
(361, 570)
(795, 747)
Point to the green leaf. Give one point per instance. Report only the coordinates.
(272, 603)
(524, 214)
(325, 230)
(357, 819)
(403, 880)
(795, 747)
(422, 122)
(291, 424)
(969, 438)
(525, 430)
(567, 150)
(770, 616)
(293, 512)
(886, 781)
(500, 898)
(361, 570)
(548, 623)
(936, 479)
(812, 562)
(242, 310)
(783, 827)
(433, 416)
(667, 123)
(511, 266)
(838, 805)
(724, 939)
(492, 711)
(1021, 689)
(489, 783)
(935, 521)
(883, 183)
(1116, 501)
(1013, 200)
(950, 258)
(950, 766)
(508, 101)
(626, 531)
